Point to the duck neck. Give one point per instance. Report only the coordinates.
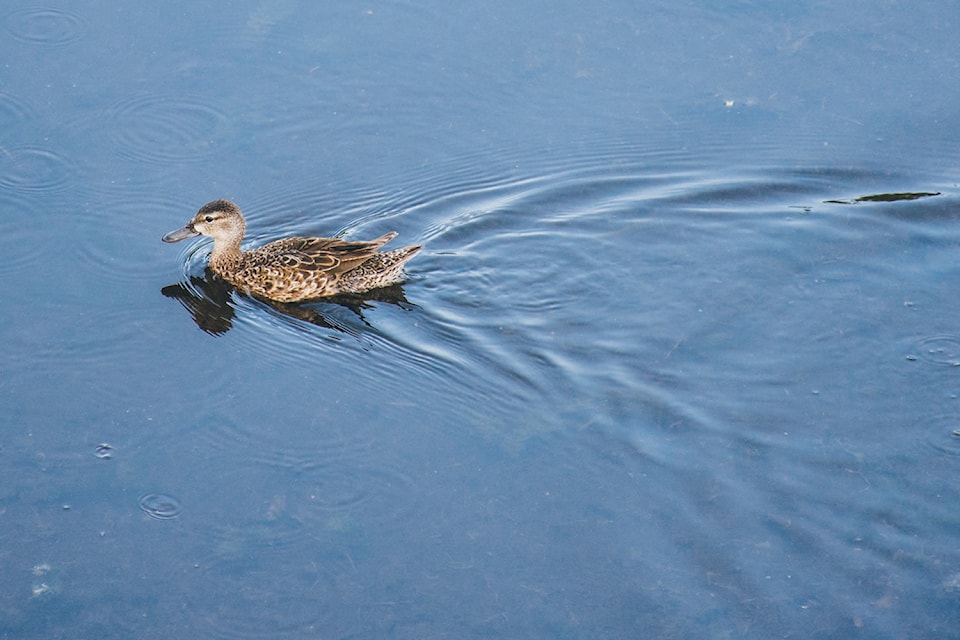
(226, 255)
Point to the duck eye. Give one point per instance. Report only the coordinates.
(209, 218)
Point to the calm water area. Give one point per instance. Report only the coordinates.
(680, 357)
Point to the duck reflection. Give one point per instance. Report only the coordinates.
(208, 299)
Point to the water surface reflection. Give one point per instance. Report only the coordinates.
(209, 301)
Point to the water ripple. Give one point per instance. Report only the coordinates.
(941, 434)
(13, 111)
(165, 128)
(292, 499)
(45, 26)
(34, 169)
(270, 601)
(272, 532)
(119, 255)
(369, 495)
(160, 506)
(99, 339)
(18, 241)
(943, 350)
(217, 431)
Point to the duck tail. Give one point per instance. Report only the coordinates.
(391, 262)
(379, 270)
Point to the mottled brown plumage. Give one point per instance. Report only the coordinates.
(293, 269)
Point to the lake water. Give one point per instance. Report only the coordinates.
(680, 357)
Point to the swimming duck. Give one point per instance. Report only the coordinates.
(293, 269)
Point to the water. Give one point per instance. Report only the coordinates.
(679, 357)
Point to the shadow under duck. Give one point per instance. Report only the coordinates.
(293, 269)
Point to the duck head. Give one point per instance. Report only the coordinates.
(220, 220)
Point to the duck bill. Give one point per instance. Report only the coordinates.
(181, 234)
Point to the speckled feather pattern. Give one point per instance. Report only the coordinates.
(293, 269)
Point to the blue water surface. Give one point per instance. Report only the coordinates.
(679, 358)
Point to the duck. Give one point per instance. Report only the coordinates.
(293, 269)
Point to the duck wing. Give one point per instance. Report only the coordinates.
(332, 255)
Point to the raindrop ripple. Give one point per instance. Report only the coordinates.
(45, 26)
(160, 506)
(163, 128)
(34, 169)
